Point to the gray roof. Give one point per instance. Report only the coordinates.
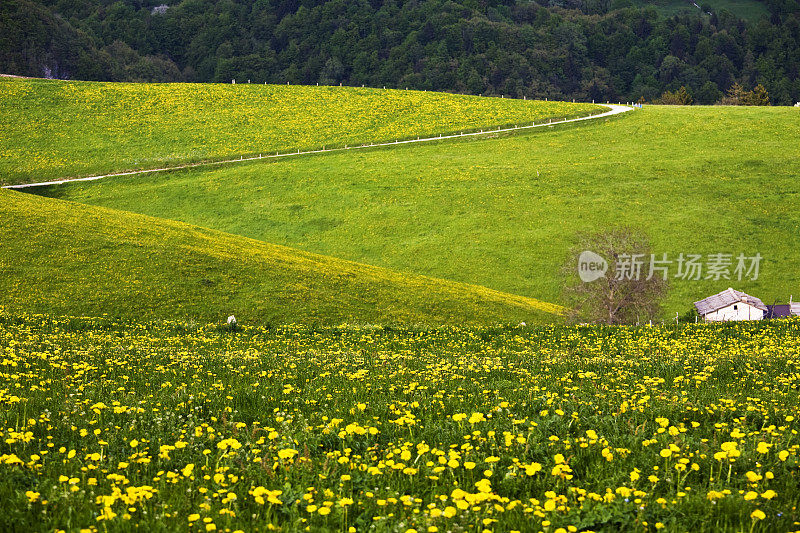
(726, 298)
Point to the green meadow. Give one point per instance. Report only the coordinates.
(500, 212)
(127, 425)
(380, 377)
(58, 129)
(62, 258)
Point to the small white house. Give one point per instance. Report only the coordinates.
(731, 304)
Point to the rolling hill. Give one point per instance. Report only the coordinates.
(56, 129)
(501, 212)
(63, 258)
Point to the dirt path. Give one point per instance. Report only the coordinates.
(614, 109)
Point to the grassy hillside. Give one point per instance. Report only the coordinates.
(501, 212)
(53, 129)
(63, 258)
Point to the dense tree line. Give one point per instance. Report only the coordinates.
(561, 49)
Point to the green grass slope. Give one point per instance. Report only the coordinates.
(502, 212)
(56, 129)
(62, 258)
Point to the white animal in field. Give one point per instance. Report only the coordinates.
(231, 320)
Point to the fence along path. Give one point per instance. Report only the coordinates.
(614, 109)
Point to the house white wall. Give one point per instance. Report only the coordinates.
(735, 311)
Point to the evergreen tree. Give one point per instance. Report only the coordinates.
(679, 97)
(758, 96)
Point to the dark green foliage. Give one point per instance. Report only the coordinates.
(38, 42)
(679, 97)
(588, 50)
(758, 96)
(33, 42)
(738, 95)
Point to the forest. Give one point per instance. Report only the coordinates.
(559, 49)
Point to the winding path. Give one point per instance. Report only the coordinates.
(614, 109)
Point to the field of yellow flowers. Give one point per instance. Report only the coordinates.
(55, 129)
(168, 426)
